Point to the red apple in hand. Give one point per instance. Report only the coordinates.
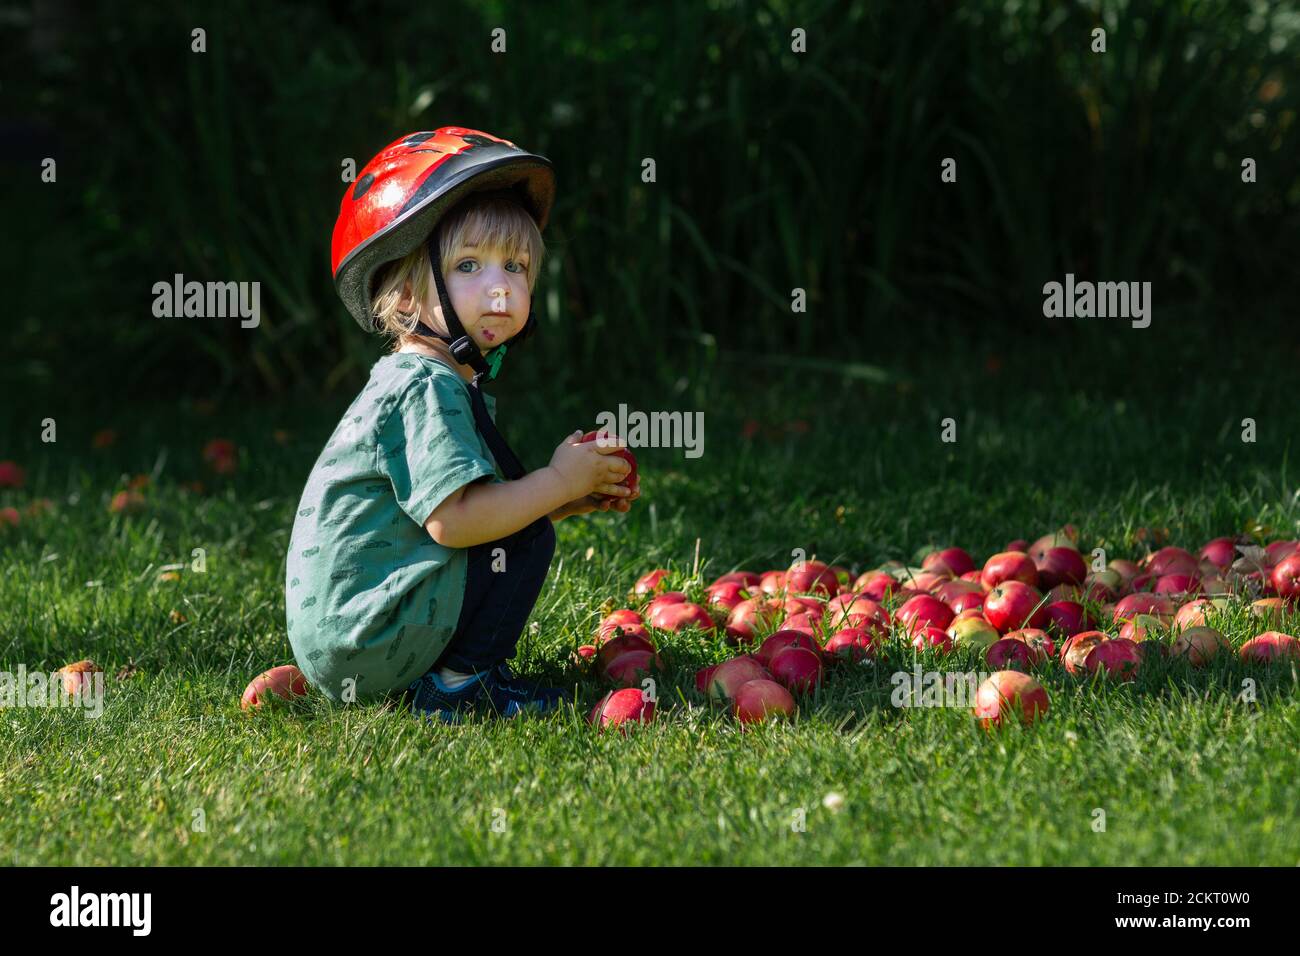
(630, 479)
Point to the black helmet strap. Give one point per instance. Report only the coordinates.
(465, 352)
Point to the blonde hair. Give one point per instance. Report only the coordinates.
(491, 221)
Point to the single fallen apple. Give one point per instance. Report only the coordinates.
(923, 611)
(950, 561)
(1158, 605)
(1060, 566)
(79, 677)
(1286, 578)
(1008, 694)
(975, 631)
(1009, 654)
(633, 638)
(1118, 658)
(812, 577)
(726, 595)
(1220, 552)
(652, 581)
(750, 616)
(932, 638)
(746, 579)
(876, 585)
(1012, 604)
(584, 655)
(664, 598)
(1268, 647)
(631, 667)
(614, 620)
(1074, 651)
(853, 643)
(729, 676)
(1067, 618)
(674, 617)
(620, 708)
(1041, 647)
(971, 600)
(1009, 566)
(803, 622)
(1173, 560)
(1199, 645)
(279, 683)
(759, 699)
(840, 609)
(782, 639)
(797, 669)
(1142, 628)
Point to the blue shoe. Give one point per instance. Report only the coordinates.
(511, 696)
(433, 699)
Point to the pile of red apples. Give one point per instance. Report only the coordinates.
(1028, 606)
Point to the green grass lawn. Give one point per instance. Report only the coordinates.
(174, 773)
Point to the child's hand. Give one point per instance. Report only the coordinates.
(588, 468)
(590, 503)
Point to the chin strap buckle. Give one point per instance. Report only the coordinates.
(464, 351)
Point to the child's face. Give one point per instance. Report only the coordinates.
(489, 291)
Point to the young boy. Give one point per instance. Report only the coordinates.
(420, 545)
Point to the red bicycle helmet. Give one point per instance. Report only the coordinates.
(397, 201)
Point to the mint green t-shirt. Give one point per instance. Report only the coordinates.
(369, 595)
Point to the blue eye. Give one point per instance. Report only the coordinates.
(465, 262)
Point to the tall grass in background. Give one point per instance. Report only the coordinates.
(775, 171)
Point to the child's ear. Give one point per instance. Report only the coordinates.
(405, 303)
